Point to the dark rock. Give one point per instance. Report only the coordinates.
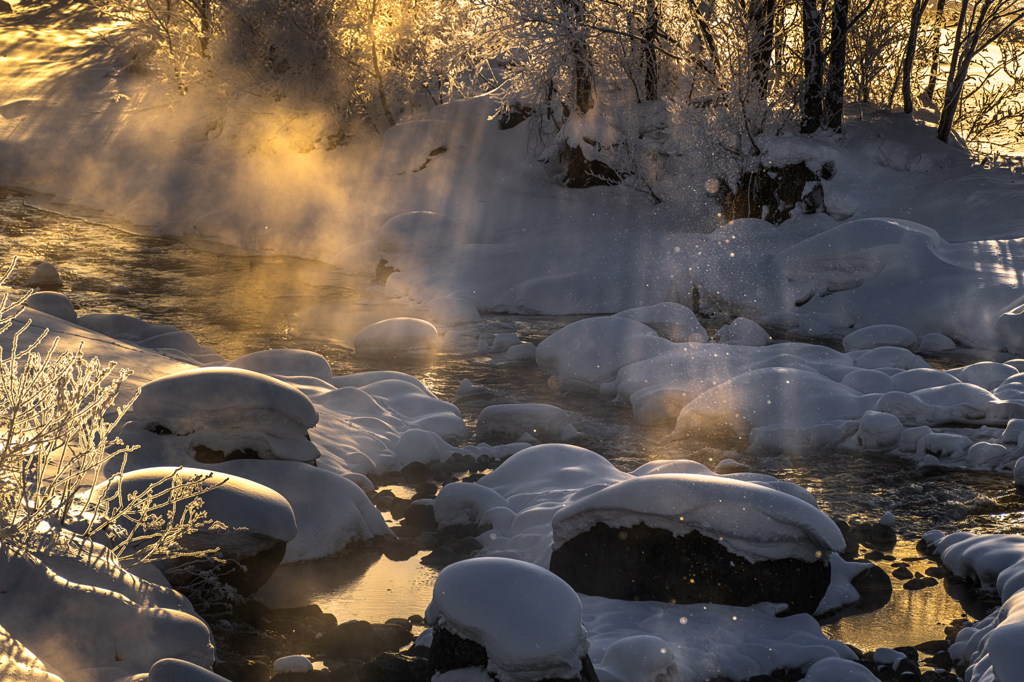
(398, 508)
(242, 670)
(903, 573)
(874, 588)
(245, 573)
(314, 676)
(425, 490)
(513, 115)
(652, 564)
(932, 646)
(919, 583)
(448, 651)
(420, 516)
(768, 193)
(416, 619)
(383, 271)
(428, 541)
(908, 651)
(874, 555)
(935, 676)
(466, 546)
(400, 622)
(392, 637)
(941, 659)
(395, 668)
(451, 534)
(415, 472)
(874, 534)
(581, 173)
(353, 639)
(473, 478)
(937, 572)
(441, 557)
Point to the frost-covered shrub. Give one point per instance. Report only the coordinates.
(57, 413)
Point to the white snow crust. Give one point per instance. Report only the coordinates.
(396, 336)
(529, 620)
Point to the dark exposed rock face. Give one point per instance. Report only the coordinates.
(451, 652)
(772, 193)
(581, 172)
(245, 572)
(359, 639)
(652, 564)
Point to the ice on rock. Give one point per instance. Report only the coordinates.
(503, 341)
(465, 503)
(988, 455)
(943, 445)
(527, 639)
(750, 520)
(588, 353)
(452, 310)
(396, 336)
(285, 362)
(935, 343)
(544, 423)
(987, 375)
(879, 431)
(743, 332)
(878, 335)
(53, 303)
(672, 321)
(640, 658)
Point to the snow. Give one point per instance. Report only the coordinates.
(292, 664)
(461, 503)
(538, 638)
(672, 321)
(743, 332)
(752, 521)
(174, 670)
(88, 627)
(395, 336)
(877, 335)
(990, 646)
(285, 362)
(539, 422)
(53, 303)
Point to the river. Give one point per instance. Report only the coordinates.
(239, 303)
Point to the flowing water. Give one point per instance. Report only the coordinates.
(239, 303)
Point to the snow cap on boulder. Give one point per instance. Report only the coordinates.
(53, 303)
(529, 621)
(285, 362)
(878, 335)
(670, 320)
(752, 521)
(395, 336)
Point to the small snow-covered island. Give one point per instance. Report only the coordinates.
(518, 340)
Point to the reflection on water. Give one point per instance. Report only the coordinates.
(910, 618)
(239, 304)
(360, 586)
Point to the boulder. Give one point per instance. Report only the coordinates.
(396, 336)
(45, 277)
(53, 303)
(286, 362)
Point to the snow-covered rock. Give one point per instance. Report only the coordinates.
(743, 332)
(175, 670)
(285, 362)
(88, 627)
(482, 600)
(397, 335)
(469, 503)
(672, 321)
(640, 657)
(44, 277)
(934, 342)
(878, 335)
(53, 303)
(543, 423)
(521, 351)
(293, 664)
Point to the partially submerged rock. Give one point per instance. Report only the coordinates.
(536, 421)
(398, 335)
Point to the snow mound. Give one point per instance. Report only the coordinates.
(463, 503)
(588, 353)
(551, 467)
(397, 335)
(18, 664)
(641, 657)
(541, 637)
(285, 362)
(752, 521)
(743, 332)
(672, 321)
(53, 303)
(89, 627)
(174, 670)
(531, 422)
(521, 351)
(934, 342)
(877, 335)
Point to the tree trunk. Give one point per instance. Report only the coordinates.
(940, 9)
(650, 57)
(811, 109)
(761, 19)
(583, 86)
(951, 101)
(836, 92)
(908, 56)
(702, 15)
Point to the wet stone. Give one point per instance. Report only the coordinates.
(920, 583)
(242, 670)
(441, 557)
(902, 573)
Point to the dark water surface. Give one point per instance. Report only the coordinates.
(240, 303)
